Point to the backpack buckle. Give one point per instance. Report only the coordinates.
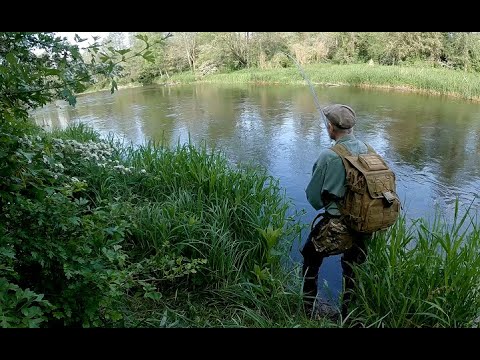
(389, 197)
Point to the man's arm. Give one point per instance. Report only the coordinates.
(315, 186)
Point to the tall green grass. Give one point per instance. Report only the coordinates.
(422, 275)
(430, 80)
(209, 237)
(192, 199)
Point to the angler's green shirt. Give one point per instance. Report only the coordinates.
(328, 174)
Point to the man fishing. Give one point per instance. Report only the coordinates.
(354, 207)
(325, 190)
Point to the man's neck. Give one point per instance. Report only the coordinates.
(339, 136)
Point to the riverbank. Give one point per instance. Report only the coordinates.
(97, 88)
(442, 82)
(100, 233)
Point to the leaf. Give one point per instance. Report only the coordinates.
(149, 58)
(123, 52)
(67, 94)
(164, 319)
(32, 311)
(115, 316)
(58, 315)
(275, 253)
(77, 38)
(52, 72)
(80, 87)
(153, 295)
(12, 60)
(7, 252)
(34, 323)
(74, 220)
(27, 155)
(114, 86)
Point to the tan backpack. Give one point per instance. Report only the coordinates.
(371, 202)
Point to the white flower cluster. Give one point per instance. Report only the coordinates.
(476, 323)
(123, 169)
(98, 152)
(26, 140)
(76, 183)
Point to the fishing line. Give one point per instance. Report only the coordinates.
(315, 98)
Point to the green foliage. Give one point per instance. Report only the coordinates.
(20, 308)
(415, 78)
(93, 232)
(423, 275)
(97, 233)
(152, 64)
(207, 53)
(193, 195)
(36, 68)
(462, 51)
(53, 243)
(203, 53)
(62, 247)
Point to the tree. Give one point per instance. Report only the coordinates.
(235, 46)
(407, 47)
(462, 50)
(36, 68)
(188, 41)
(310, 47)
(145, 69)
(267, 49)
(345, 48)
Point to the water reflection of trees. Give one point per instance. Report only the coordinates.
(279, 126)
(53, 116)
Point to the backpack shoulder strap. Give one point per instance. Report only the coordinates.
(341, 151)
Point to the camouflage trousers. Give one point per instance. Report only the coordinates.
(331, 237)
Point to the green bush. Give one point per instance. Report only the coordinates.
(92, 230)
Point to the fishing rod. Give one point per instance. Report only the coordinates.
(315, 98)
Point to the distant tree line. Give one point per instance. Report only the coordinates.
(207, 52)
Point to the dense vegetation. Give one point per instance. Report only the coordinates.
(433, 81)
(203, 52)
(433, 62)
(95, 232)
(422, 275)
